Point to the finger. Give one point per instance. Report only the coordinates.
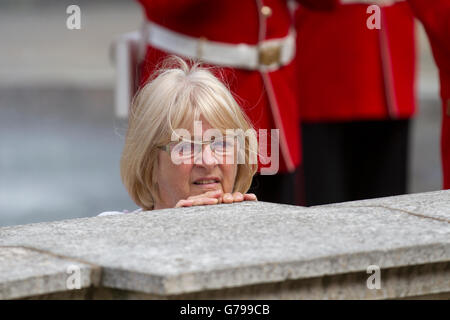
(209, 194)
(184, 203)
(227, 198)
(238, 197)
(215, 193)
(250, 197)
(205, 201)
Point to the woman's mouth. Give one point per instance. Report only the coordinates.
(207, 182)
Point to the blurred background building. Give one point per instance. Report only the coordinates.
(60, 142)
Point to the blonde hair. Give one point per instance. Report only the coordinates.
(177, 95)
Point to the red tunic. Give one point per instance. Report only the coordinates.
(237, 21)
(348, 72)
(435, 16)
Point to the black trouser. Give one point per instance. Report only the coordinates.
(354, 160)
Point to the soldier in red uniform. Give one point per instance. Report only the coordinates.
(356, 91)
(435, 16)
(253, 40)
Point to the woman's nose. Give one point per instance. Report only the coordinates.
(207, 156)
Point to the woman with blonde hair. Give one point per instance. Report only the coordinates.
(166, 162)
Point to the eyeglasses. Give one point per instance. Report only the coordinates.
(186, 149)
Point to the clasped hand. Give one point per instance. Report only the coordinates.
(215, 197)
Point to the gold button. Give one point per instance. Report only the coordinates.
(447, 110)
(266, 11)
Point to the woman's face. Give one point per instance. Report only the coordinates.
(180, 181)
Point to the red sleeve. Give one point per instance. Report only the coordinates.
(435, 16)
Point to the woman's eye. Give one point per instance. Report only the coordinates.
(222, 145)
(183, 148)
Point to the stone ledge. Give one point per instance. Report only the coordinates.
(413, 282)
(433, 205)
(188, 251)
(28, 272)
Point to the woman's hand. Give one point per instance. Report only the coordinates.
(238, 197)
(215, 197)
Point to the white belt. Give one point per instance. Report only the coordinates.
(267, 55)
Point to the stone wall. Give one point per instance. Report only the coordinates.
(252, 250)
